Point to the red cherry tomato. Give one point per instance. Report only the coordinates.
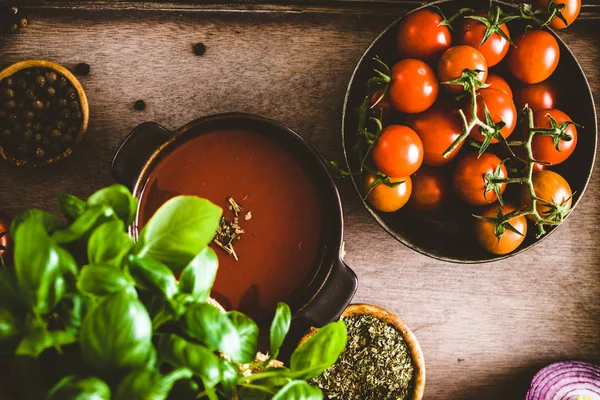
(471, 32)
(388, 199)
(398, 151)
(550, 187)
(543, 146)
(535, 56)
(510, 241)
(570, 13)
(539, 96)
(430, 189)
(499, 83)
(501, 108)
(5, 241)
(438, 128)
(455, 60)
(469, 178)
(414, 86)
(421, 36)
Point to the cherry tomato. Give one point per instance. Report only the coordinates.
(548, 186)
(430, 189)
(398, 151)
(414, 86)
(5, 241)
(438, 128)
(484, 231)
(570, 13)
(501, 108)
(469, 178)
(471, 32)
(535, 56)
(543, 146)
(455, 60)
(388, 199)
(421, 36)
(499, 83)
(539, 96)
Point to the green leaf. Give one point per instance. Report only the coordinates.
(9, 292)
(109, 243)
(319, 352)
(68, 265)
(71, 206)
(117, 197)
(149, 384)
(198, 277)
(181, 353)
(248, 333)
(205, 322)
(10, 325)
(116, 334)
(71, 310)
(36, 265)
(153, 275)
(229, 377)
(84, 225)
(179, 230)
(41, 339)
(75, 388)
(279, 328)
(102, 280)
(49, 221)
(299, 390)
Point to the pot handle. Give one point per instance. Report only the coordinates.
(135, 150)
(335, 295)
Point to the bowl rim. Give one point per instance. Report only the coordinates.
(402, 239)
(85, 107)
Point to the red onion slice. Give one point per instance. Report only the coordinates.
(566, 380)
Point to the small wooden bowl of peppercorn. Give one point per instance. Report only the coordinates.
(382, 358)
(44, 113)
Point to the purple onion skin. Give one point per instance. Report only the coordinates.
(566, 380)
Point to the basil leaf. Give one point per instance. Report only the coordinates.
(198, 277)
(117, 197)
(74, 388)
(68, 265)
(109, 243)
(248, 333)
(153, 275)
(49, 221)
(10, 325)
(41, 339)
(102, 280)
(116, 334)
(229, 377)
(279, 328)
(144, 384)
(178, 231)
(319, 352)
(84, 225)
(299, 390)
(181, 353)
(205, 322)
(71, 206)
(70, 311)
(36, 266)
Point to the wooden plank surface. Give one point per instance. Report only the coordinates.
(484, 329)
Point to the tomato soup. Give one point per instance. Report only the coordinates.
(281, 213)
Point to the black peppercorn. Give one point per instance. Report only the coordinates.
(6, 133)
(77, 115)
(20, 104)
(14, 28)
(8, 81)
(11, 118)
(23, 22)
(27, 135)
(73, 130)
(140, 105)
(40, 81)
(28, 114)
(27, 125)
(51, 77)
(23, 148)
(21, 84)
(82, 69)
(55, 148)
(11, 104)
(38, 138)
(51, 91)
(18, 127)
(62, 82)
(37, 105)
(40, 154)
(71, 93)
(65, 113)
(9, 94)
(47, 104)
(199, 49)
(29, 94)
(74, 105)
(60, 125)
(46, 141)
(2, 113)
(61, 103)
(37, 127)
(55, 134)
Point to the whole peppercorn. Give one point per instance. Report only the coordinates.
(73, 130)
(37, 105)
(67, 139)
(8, 82)
(51, 77)
(28, 114)
(71, 93)
(37, 127)
(62, 82)
(82, 69)
(65, 113)
(74, 105)
(46, 141)
(2, 113)
(60, 125)
(23, 148)
(51, 91)
(23, 22)
(38, 138)
(47, 104)
(11, 105)
(9, 94)
(55, 134)
(40, 153)
(77, 115)
(29, 94)
(18, 127)
(6, 133)
(62, 102)
(27, 135)
(14, 28)
(199, 49)
(21, 84)
(140, 105)
(55, 148)
(40, 81)
(27, 125)
(20, 105)
(11, 118)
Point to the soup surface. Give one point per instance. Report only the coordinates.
(280, 245)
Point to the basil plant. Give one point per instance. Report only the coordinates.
(88, 313)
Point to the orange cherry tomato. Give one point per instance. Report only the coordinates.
(570, 13)
(501, 108)
(538, 96)
(469, 178)
(438, 128)
(4, 240)
(535, 56)
(455, 60)
(421, 36)
(471, 32)
(398, 151)
(550, 187)
(543, 146)
(510, 241)
(414, 86)
(388, 199)
(430, 190)
(499, 83)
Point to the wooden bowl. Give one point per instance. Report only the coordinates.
(411, 341)
(85, 108)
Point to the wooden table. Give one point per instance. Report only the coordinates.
(484, 329)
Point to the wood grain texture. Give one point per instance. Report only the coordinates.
(484, 329)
